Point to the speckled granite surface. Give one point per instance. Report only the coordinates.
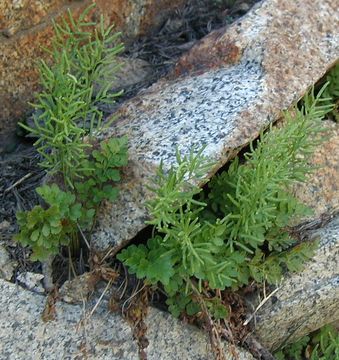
(24, 336)
(321, 191)
(307, 300)
(222, 93)
(104, 336)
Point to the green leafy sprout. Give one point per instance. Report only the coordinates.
(45, 228)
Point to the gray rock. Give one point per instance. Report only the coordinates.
(4, 225)
(321, 191)
(228, 87)
(77, 290)
(76, 335)
(24, 335)
(170, 339)
(305, 301)
(32, 281)
(7, 265)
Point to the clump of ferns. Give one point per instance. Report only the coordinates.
(67, 116)
(237, 232)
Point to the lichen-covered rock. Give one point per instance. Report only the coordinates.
(20, 15)
(233, 84)
(26, 26)
(305, 301)
(77, 334)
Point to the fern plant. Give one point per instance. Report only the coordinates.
(67, 115)
(238, 231)
(46, 229)
(73, 87)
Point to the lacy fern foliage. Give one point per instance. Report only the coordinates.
(73, 88)
(46, 229)
(238, 231)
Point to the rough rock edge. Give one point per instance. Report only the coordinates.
(307, 300)
(73, 335)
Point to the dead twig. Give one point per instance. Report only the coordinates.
(83, 236)
(18, 182)
(266, 298)
(100, 299)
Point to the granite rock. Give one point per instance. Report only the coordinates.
(307, 300)
(20, 15)
(103, 335)
(228, 87)
(31, 281)
(79, 289)
(7, 265)
(24, 335)
(170, 339)
(132, 71)
(321, 191)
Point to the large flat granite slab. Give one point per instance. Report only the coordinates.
(104, 336)
(226, 89)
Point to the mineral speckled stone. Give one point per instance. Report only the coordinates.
(321, 191)
(7, 265)
(227, 88)
(24, 335)
(77, 335)
(307, 300)
(169, 339)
